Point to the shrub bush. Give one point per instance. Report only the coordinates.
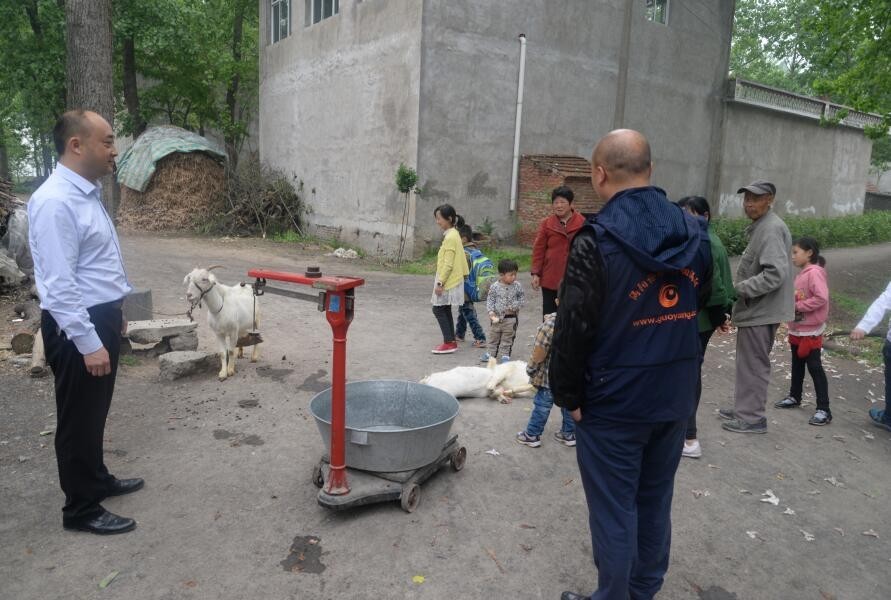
(260, 200)
(835, 232)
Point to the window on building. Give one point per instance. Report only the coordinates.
(657, 11)
(279, 20)
(316, 10)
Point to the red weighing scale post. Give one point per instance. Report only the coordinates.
(336, 299)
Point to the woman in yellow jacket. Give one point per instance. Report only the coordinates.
(451, 269)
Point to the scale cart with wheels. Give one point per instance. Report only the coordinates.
(384, 454)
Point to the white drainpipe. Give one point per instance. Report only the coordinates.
(514, 172)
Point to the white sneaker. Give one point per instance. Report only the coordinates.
(693, 450)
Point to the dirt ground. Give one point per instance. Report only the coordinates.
(229, 511)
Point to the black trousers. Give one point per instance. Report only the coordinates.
(82, 403)
(815, 368)
(704, 337)
(548, 301)
(446, 321)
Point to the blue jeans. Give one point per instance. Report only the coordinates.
(627, 470)
(467, 316)
(541, 410)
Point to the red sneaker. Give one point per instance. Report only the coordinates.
(445, 348)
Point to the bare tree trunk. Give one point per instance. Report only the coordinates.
(46, 153)
(36, 146)
(131, 90)
(232, 88)
(88, 41)
(4, 155)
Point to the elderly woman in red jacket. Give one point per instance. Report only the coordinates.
(551, 247)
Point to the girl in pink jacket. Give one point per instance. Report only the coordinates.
(806, 331)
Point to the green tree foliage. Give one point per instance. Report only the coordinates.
(188, 57)
(838, 49)
(196, 64)
(769, 46)
(881, 154)
(32, 80)
(854, 60)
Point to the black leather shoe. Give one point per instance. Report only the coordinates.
(105, 523)
(572, 596)
(119, 487)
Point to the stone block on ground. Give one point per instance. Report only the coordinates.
(184, 341)
(152, 350)
(184, 363)
(153, 331)
(138, 305)
(10, 275)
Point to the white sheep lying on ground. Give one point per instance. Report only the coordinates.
(509, 380)
(461, 382)
(501, 381)
(232, 312)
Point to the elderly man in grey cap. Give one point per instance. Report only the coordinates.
(765, 290)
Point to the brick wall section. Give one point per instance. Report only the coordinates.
(539, 174)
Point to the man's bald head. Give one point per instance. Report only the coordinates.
(624, 153)
(621, 161)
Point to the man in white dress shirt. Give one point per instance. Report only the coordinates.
(81, 281)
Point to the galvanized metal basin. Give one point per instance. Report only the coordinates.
(391, 425)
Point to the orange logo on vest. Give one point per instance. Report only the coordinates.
(668, 295)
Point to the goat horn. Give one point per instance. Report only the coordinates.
(212, 267)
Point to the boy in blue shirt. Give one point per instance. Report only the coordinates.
(467, 312)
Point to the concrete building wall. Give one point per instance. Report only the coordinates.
(339, 109)
(676, 79)
(469, 70)
(818, 171)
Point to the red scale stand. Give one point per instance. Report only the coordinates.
(335, 297)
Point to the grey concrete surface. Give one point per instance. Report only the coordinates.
(154, 330)
(339, 110)
(434, 84)
(184, 341)
(181, 363)
(229, 511)
(819, 171)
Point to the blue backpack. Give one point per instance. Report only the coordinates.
(482, 274)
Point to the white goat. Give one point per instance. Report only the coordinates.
(232, 312)
(461, 382)
(498, 381)
(509, 380)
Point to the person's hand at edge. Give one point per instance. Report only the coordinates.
(98, 363)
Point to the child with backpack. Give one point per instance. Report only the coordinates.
(806, 331)
(480, 268)
(503, 302)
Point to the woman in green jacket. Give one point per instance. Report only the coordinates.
(714, 314)
(451, 269)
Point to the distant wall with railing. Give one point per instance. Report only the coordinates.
(778, 136)
(749, 92)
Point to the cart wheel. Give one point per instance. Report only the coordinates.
(458, 458)
(317, 478)
(411, 497)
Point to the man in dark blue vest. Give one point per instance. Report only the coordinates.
(625, 362)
